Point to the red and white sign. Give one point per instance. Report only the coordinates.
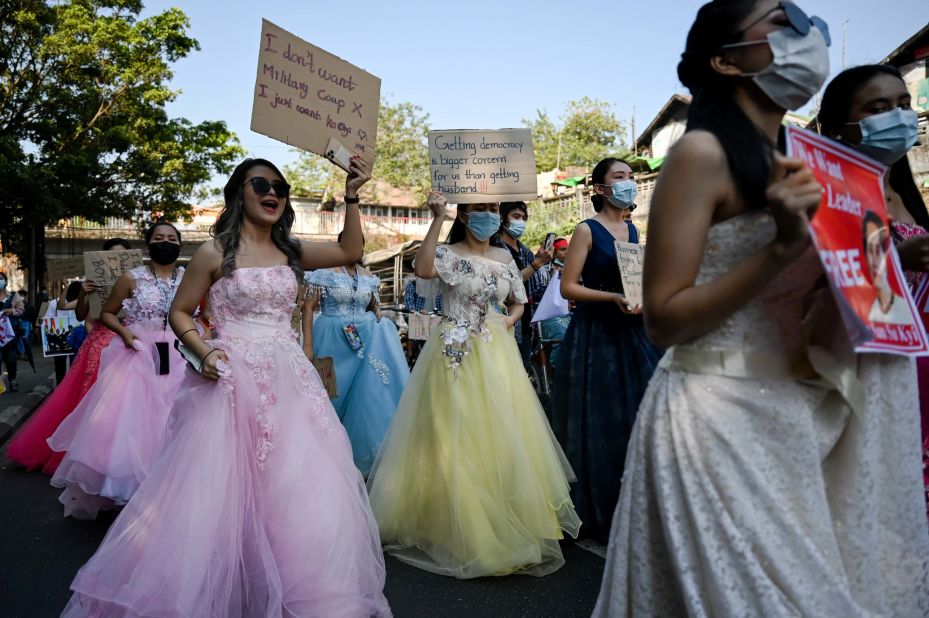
(851, 231)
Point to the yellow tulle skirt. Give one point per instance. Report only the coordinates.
(470, 480)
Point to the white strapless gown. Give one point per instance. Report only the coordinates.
(751, 490)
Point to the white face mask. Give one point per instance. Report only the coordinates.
(799, 69)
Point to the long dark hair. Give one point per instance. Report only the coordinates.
(598, 176)
(228, 227)
(749, 152)
(834, 112)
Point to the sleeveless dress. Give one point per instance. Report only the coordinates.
(255, 508)
(758, 484)
(29, 447)
(604, 364)
(117, 430)
(370, 380)
(904, 231)
(470, 480)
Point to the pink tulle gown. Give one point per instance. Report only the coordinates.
(29, 447)
(255, 508)
(115, 433)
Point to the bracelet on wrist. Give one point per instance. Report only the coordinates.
(534, 267)
(181, 336)
(203, 360)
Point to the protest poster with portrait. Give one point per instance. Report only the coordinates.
(104, 268)
(55, 335)
(306, 97)
(471, 166)
(851, 231)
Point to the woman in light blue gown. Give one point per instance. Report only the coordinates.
(370, 366)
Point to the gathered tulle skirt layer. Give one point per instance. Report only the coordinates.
(255, 508)
(770, 497)
(29, 447)
(116, 432)
(370, 382)
(470, 480)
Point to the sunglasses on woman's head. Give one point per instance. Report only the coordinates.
(796, 19)
(263, 186)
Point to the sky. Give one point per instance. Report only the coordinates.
(486, 64)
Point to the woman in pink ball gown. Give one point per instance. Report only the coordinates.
(255, 507)
(117, 430)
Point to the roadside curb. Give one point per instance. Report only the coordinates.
(13, 416)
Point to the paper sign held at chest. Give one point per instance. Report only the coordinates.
(630, 257)
(306, 97)
(852, 237)
(470, 166)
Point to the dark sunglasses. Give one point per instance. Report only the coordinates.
(797, 20)
(263, 186)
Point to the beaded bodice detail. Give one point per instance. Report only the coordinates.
(771, 321)
(473, 287)
(262, 294)
(151, 299)
(341, 294)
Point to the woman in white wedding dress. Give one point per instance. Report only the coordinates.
(763, 477)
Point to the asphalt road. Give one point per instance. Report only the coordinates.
(40, 551)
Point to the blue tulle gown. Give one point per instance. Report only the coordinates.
(370, 379)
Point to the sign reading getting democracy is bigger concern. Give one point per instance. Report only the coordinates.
(471, 166)
(305, 96)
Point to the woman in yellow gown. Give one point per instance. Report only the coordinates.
(470, 481)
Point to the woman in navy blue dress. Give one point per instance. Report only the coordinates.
(606, 358)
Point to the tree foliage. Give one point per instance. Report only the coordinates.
(83, 126)
(589, 131)
(401, 157)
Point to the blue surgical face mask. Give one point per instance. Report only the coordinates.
(624, 192)
(517, 227)
(888, 136)
(483, 224)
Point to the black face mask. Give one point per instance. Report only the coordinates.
(164, 253)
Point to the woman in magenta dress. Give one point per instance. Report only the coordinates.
(255, 507)
(869, 108)
(114, 434)
(29, 447)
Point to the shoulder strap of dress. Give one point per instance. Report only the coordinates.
(633, 233)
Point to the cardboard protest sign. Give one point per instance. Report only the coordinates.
(472, 166)
(421, 326)
(306, 97)
(852, 235)
(104, 268)
(59, 269)
(55, 334)
(630, 257)
(326, 371)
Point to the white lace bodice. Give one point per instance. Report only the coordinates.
(772, 320)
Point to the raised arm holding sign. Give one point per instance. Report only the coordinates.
(309, 98)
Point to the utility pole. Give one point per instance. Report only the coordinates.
(844, 35)
(558, 160)
(635, 146)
